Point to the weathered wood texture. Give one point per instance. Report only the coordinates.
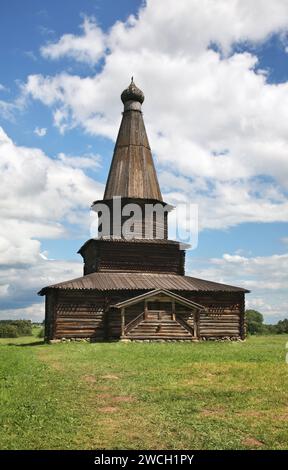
(223, 317)
(87, 314)
(132, 173)
(107, 256)
(79, 316)
(134, 218)
(50, 314)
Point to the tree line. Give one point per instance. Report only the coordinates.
(15, 328)
(256, 326)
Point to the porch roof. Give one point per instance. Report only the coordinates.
(147, 295)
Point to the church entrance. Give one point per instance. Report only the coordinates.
(159, 311)
(158, 315)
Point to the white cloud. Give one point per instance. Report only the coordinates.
(210, 118)
(34, 312)
(89, 47)
(266, 272)
(89, 160)
(222, 22)
(265, 276)
(19, 286)
(38, 195)
(40, 131)
(7, 110)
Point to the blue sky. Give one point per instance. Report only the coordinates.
(216, 85)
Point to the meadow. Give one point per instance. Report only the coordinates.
(144, 395)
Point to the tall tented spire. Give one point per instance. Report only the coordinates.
(132, 173)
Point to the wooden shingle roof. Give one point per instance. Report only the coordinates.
(109, 281)
(132, 173)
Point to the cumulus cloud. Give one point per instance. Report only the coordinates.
(42, 190)
(34, 312)
(213, 109)
(38, 197)
(89, 160)
(40, 131)
(89, 47)
(265, 276)
(7, 110)
(21, 284)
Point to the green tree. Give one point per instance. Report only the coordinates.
(282, 326)
(8, 331)
(22, 328)
(254, 321)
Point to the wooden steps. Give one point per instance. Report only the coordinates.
(161, 338)
(161, 329)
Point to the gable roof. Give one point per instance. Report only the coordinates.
(178, 298)
(109, 281)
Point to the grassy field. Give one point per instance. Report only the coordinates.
(144, 396)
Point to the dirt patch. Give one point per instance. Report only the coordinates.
(91, 379)
(252, 442)
(56, 365)
(123, 399)
(110, 377)
(104, 396)
(108, 409)
(217, 412)
(51, 362)
(281, 414)
(250, 413)
(240, 388)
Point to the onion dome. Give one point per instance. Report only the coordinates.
(132, 93)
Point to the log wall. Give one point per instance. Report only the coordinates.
(224, 316)
(83, 314)
(102, 256)
(78, 315)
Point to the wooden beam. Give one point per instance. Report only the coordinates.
(196, 325)
(122, 321)
(173, 310)
(145, 310)
(242, 321)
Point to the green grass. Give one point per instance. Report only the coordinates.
(144, 395)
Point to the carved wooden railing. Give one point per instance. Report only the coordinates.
(185, 325)
(134, 322)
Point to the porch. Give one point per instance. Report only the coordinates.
(159, 315)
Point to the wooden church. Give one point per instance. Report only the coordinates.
(135, 288)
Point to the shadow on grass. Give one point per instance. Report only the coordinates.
(22, 345)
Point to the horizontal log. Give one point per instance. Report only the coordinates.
(219, 327)
(226, 315)
(219, 320)
(206, 323)
(77, 330)
(219, 333)
(82, 319)
(222, 335)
